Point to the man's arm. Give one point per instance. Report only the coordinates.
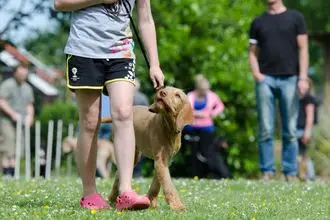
(254, 64)
(29, 114)
(5, 107)
(74, 5)
(148, 34)
(302, 41)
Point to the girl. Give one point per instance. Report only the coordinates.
(100, 56)
(207, 105)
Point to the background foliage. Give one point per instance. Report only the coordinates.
(209, 37)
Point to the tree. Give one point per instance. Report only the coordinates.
(315, 11)
(22, 15)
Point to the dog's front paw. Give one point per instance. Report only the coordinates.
(154, 203)
(177, 206)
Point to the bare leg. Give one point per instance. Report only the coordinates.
(115, 188)
(8, 162)
(5, 161)
(121, 98)
(1, 158)
(12, 161)
(89, 120)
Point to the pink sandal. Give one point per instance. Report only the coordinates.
(132, 201)
(94, 201)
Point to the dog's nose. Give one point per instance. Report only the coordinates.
(162, 93)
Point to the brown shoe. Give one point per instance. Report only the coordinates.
(291, 179)
(268, 177)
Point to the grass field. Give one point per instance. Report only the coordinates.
(204, 199)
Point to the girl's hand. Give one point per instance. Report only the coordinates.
(305, 139)
(157, 77)
(303, 87)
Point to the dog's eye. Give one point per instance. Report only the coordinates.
(178, 95)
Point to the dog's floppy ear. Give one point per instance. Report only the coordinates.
(184, 117)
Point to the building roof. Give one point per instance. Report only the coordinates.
(42, 78)
(42, 85)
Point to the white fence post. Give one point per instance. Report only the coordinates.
(49, 149)
(37, 153)
(27, 151)
(18, 147)
(58, 147)
(69, 160)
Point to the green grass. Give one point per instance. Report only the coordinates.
(204, 199)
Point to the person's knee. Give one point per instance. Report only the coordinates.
(265, 134)
(122, 113)
(290, 137)
(266, 126)
(91, 120)
(290, 134)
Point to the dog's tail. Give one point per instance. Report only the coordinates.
(106, 120)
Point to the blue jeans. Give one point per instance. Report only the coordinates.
(283, 88)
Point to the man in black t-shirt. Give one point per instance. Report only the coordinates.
(278, 57)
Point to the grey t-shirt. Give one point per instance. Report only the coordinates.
(17, 95)
(102, 32)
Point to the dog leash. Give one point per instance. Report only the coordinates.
(137, 35)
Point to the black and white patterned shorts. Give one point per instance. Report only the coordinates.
(89, 73)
